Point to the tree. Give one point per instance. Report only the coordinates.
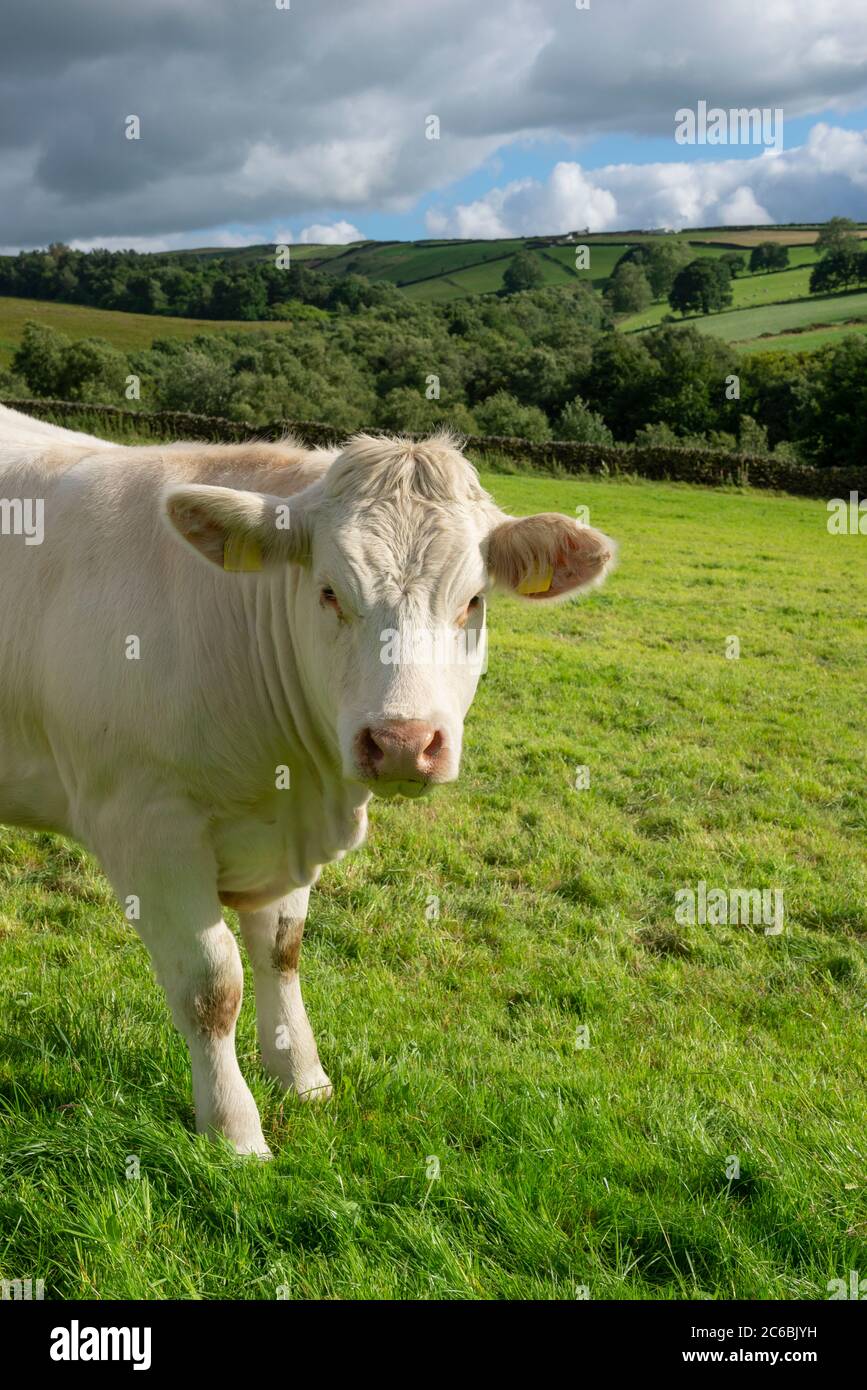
(775, 389)
(736, 263)
(502, 414)
(628, 291)
(406, 408)
(703, 285)
(657, 436)
(539, 376)
(687, 389)
(198, 381)
(522, 273)
(666, 259)
(92, 370)
(238, 297)
(839, 269)
(39, 358)
(660, 261)
(579, 423)
(621, 381)
(769, 255)
(835, 235)
(835, 424)
(637, 254)
(752, 437)
(89, 369)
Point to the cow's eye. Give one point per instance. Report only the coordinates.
(473, 606)
(328, 598)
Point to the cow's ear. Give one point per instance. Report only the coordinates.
(239, 531)
(548, 556)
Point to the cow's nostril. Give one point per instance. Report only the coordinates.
(434, 746)
(369, 747)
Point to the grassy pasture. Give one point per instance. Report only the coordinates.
(748, 292)
(124, 331)
(486, 277)
(457, 1039)
(787, 236)
(406, 262)
(735, 325)
(802, 340)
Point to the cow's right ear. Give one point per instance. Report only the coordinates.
(548, 557)
(239, 531)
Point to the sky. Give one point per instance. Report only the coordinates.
(309, 120)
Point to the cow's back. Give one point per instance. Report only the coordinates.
(16, 428)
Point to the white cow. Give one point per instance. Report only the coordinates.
(209, 660)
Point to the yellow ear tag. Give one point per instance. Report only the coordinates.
(536, 583)
(241, 554)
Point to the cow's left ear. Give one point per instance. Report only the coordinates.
(548, 556)
(236, 530)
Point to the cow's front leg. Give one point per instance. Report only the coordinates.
(165, 875)
(204, 982)
(273, 939)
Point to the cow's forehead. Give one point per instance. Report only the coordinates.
(370, 468)
(390, 548)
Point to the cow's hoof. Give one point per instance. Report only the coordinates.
(314, 1087)
(253, 1149)
(245, 1146)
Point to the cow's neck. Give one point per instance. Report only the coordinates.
(290, 729)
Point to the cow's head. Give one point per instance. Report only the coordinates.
(388, 560)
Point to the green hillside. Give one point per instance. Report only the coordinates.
(748, 291)
(476, 267)
(767, 309)
(741, 325)
(124, 331)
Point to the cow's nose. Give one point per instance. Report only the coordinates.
(401, 750)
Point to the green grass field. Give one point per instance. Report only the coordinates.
(741, 325)
(124, 331)
(443, 270)
(486, 277)
(455, 1044)
(803, 340)
(748, 291)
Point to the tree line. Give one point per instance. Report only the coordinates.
(540, 364)
(183, 285)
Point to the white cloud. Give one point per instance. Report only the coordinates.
(742, 209)
(329, 234)
(127, 243)
(828, 174)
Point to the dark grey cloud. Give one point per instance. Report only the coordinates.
(254, 115)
